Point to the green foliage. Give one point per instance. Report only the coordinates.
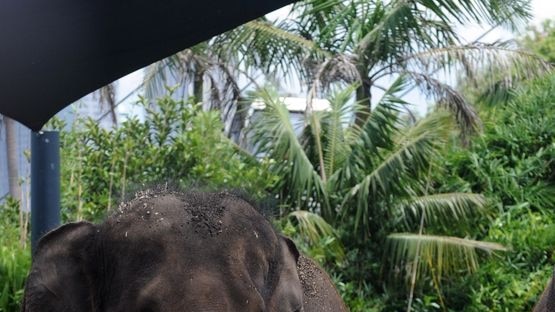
(513, 160)
(330, 43)
(387, 175)
(314, 236)
(516, 279)
(176, 142)
(361, 298)
(15, 259)
(413, 184)
(541, 40)
(512, 165)
(367, 182)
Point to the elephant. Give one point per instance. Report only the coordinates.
(175, 251)
(547, 299)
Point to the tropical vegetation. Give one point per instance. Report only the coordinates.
(452, 211)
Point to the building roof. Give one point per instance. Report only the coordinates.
(296, 104)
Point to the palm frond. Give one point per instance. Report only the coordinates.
(450, 99)
(444, 208)
(275, 137)
(382, 34)
(365, 145)
(335, 23)
(394, 32)
(313, 129)
(500, 56)
(512, 13)
(334, 125)
(411, 154)
(159, 74)
(271, 30)
(442, 254)
(366, 142)
(315, 229)
(339, 68)
(311, 225)
(182, 68)
(274, 48)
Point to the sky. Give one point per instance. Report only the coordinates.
(541, 10)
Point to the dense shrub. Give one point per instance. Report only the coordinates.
(15, 258)
(513, 163)
(176, 142)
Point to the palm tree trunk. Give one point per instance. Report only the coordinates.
(12, 156)
(198, 90)
(107, 97)
(363, 98)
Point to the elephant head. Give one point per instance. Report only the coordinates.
(167, 251)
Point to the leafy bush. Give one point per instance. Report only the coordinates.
(15, 258)
(176, 142)
(513, 164)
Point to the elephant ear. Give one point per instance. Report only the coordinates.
(60, 276)
(287, 291)
(291, 247)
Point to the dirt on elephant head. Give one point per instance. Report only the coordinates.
(319, 294)
(204, 213)
(309, 275)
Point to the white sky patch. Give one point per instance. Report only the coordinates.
(279, 13)
(127, 94)
(542, 10)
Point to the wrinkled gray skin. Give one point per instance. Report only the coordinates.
(167, 252)
(319, 293)
(547, 299)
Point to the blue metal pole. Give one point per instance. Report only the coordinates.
(45, 183)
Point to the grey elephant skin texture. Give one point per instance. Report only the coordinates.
(547, 299)
(319, 293)
(170, 251)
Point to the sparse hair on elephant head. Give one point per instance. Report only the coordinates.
(169, 251)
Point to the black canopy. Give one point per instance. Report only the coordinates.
(52, 52)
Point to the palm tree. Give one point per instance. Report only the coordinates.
(201, 74)
(327, 42)
(107, 99)
(371, 181)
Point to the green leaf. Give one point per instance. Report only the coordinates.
(442, 254)
(445, 208)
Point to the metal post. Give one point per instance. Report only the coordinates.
(45, 183)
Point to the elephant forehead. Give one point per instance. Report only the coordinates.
(206, 214)
(201, 289)
(235, 257)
